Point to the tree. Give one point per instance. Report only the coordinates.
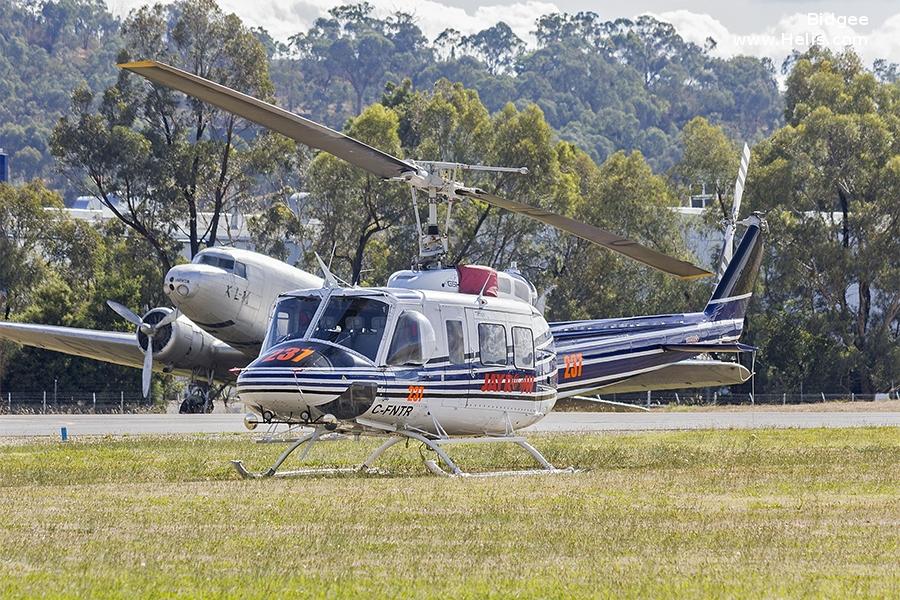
(25, 226)
(829, 180)
(61, 272)
(497, 46)
(353, 205)
(709, 158)
(152, 156)
(622, 195)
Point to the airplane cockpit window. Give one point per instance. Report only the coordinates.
(291, 319)
(413, 342)
(221, 262)
(354, 322)
(240, 270)
(492, 343)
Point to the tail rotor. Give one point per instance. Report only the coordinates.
(732, 221)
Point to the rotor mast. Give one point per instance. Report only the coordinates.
(440, 181)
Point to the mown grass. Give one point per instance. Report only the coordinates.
(811, 513)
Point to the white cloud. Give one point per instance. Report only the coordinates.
(284, 19)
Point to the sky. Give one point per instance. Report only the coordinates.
(766, 28)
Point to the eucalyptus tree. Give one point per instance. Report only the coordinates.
(830, 180)
(155, 158)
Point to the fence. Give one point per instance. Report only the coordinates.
(71, 403)
(703, 398)
(132, 402)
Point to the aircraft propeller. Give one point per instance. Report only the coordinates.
(431, 177)
(149, 330)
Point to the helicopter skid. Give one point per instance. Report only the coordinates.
(432, 465)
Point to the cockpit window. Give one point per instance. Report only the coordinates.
(291, 319)
(354, 322)
(222, 262)
(240, 270)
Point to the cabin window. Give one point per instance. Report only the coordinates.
(522, 291)
(292, 318)
(354, 322)
(413, 342)
(505, 284)
(523, 348)
(492, 343)
(240, 270)
(455, 343)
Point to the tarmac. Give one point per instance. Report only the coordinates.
(162, 424)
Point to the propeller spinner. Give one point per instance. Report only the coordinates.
(433, 178)
(147, 327)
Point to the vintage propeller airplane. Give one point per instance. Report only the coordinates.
(442, 354)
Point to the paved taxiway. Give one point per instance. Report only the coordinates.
(39, 425)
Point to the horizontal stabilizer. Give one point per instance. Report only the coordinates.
(683, 375)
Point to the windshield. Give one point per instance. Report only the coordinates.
(291, 319)
(354, 322)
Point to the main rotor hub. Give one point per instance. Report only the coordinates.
(441, 181)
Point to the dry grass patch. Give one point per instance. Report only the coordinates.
(725, 513)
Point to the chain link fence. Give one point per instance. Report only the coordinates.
(36, 403)
(39, 403)
(715, 398)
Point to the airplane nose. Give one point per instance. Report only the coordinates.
(179, 285)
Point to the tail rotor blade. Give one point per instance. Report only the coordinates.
(148, 367)
(124, 312)
(728, 242)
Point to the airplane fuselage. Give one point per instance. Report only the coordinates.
(228, 292)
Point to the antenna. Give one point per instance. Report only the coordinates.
(330, 281)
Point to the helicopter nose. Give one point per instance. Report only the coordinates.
(308, 377)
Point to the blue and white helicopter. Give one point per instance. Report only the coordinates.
(448, 355)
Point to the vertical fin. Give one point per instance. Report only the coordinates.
(732, 293)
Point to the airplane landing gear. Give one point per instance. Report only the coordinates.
(197, 400)
(200, 394)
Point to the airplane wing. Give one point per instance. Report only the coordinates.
(692, 373)
(109, 346)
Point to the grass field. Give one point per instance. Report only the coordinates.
(811, 513)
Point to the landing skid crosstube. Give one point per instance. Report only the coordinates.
(449, 468)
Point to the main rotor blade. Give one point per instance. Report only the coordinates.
(629, 248)
(277, 119)
(124, 312)
(147, 371)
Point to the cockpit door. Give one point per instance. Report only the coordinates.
(457, 372)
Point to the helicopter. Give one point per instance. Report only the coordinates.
(449, 354)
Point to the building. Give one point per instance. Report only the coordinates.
(232, 228)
